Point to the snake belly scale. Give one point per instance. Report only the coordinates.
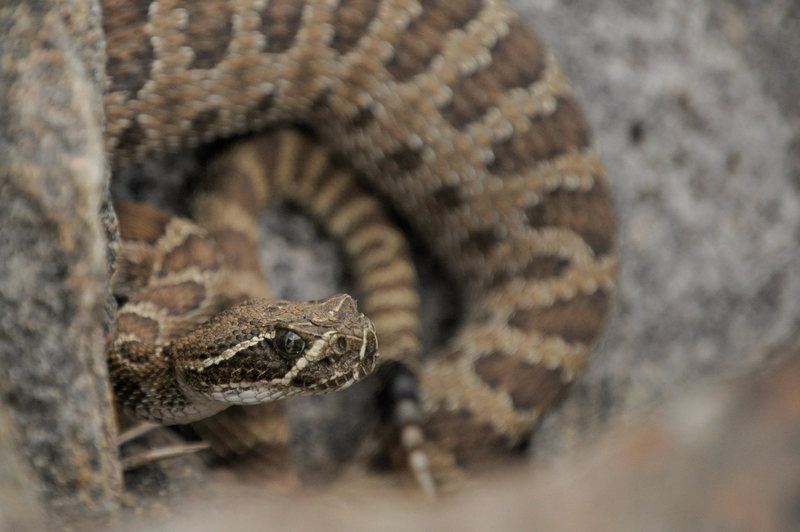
(453, 112)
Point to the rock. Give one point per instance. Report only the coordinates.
(54, 267)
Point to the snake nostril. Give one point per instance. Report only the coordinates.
(324, 367)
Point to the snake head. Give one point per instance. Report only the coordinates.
(261, 350)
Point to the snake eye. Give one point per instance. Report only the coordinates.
(289, 342)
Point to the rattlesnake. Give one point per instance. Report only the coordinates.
(453, 113)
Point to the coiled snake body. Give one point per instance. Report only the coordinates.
(451, 111)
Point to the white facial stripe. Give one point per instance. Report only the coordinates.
(303, 361)
(316, 349)
(312, 355)
(127, 337)
(339, 306)
(280, 387)
(232, 351)
(364, 339)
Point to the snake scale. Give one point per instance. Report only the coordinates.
(454, 114)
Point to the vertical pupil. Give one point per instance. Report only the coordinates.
(292, 342)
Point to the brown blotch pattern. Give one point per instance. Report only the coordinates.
(530, 386)
(141, 223)
(268, 149)
(351, 19)
(260, 108)
(131, 54)
(540, 267)
(381, 264)
(362, 119)
(227, 180)
(144, 328)
(320, 105)
(280, 22)
(178, 298)
(420, 43)
(237, 250)
(448, 196)
(483, 239)
(132, 273)
(587, 212)
(370, 218)
(518, 60)
(342, 197)
(545, 266)
(470, 441)
(302, 159)
(193, 251)
(133, 135)
(209, 31)
(205, 122)
(549, 136)
(401, 161)
(579, 319)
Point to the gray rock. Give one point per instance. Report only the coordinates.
(53, 256)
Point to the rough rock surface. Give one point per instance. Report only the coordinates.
(53, 255)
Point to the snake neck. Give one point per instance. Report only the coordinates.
(154, 393)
